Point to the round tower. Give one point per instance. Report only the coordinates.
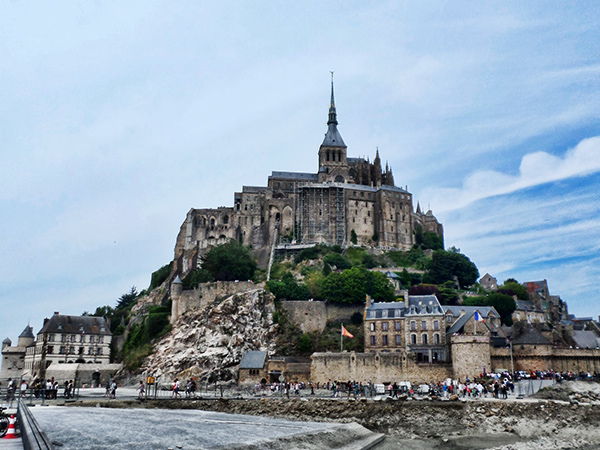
(176, 289)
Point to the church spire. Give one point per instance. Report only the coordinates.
(332, 112)
(332, 137)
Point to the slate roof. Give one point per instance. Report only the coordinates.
(483, 310)
(253, 360)
(531, 336)
(76, 325)
(586, 339)
(295, 175)
(420, 304)
(27, 333)
(527, 305)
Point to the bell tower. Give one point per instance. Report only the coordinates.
(333, 162)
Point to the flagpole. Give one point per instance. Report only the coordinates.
(342, 338)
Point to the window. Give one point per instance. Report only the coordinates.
(73, 338)
(61, 350)
(436, 338)
(372, 340)
(423, 325)
(99, 351)
(413, 325)
(385, 339)
(82, 338)
(397, 326)
(424, 338)
(100, 339)
(91, 351)
(384, 326)
(72, 350)
(436, 324)
(413, 338)
(63, 338)
(449, 319)
(384, 314)
(372, 325)
(398, 339)
(50, 349)
(51, 337)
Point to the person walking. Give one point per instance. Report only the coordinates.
(141, 390)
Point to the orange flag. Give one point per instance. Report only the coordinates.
(346, 333)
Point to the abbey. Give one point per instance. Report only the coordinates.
(348, 201)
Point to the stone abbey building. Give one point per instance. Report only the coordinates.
(347, 201)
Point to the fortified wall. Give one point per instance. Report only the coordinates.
(375, 367)
(546, 357)
(313, 315)
(205, 294)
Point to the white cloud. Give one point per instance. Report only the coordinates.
(535, 169)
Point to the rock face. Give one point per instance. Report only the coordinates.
(209, 343)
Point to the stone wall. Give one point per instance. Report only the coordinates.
(546, 357)
(206, 293)
(375, 367)
(313, 315)
(470, 355)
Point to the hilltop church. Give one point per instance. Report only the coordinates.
(348, 201)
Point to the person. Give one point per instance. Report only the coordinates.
(10, 387)
(188, 388)
(107, 391)
(176, 386)
(24, 387)
(113, 390)
(141, 390)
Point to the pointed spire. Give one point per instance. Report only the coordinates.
(332, 112)
(332, 137)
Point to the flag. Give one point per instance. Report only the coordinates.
(346, 333)
(478, 317)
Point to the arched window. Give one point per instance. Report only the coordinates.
(436, 338)
(225, 220)
(413, 338)
(277, 217)
(424, 338)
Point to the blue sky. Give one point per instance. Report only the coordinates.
(118, 117)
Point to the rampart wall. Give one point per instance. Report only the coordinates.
(205, 294)
(546, 357)
(313, 315)
(374, 367)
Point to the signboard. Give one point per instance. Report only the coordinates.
(149, 380)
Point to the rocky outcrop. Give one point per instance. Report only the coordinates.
(209, 343)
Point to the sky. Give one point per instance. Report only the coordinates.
(117, 118)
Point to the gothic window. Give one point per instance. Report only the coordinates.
(212, 222)
(225, 220)
(277, 217)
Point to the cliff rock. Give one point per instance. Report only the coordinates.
(209, 343)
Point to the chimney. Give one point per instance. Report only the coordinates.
(406, 298)
(368, 301)
(46, 320)
(56, 313)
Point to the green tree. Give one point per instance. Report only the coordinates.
(432, 241)
(126, 301)
(513, 287)
(230, 261)
(353, 237)
(444, 266)
(337, 260)
(504, 304)
(160, 276)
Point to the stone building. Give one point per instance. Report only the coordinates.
(347, 201)
(13, 358)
